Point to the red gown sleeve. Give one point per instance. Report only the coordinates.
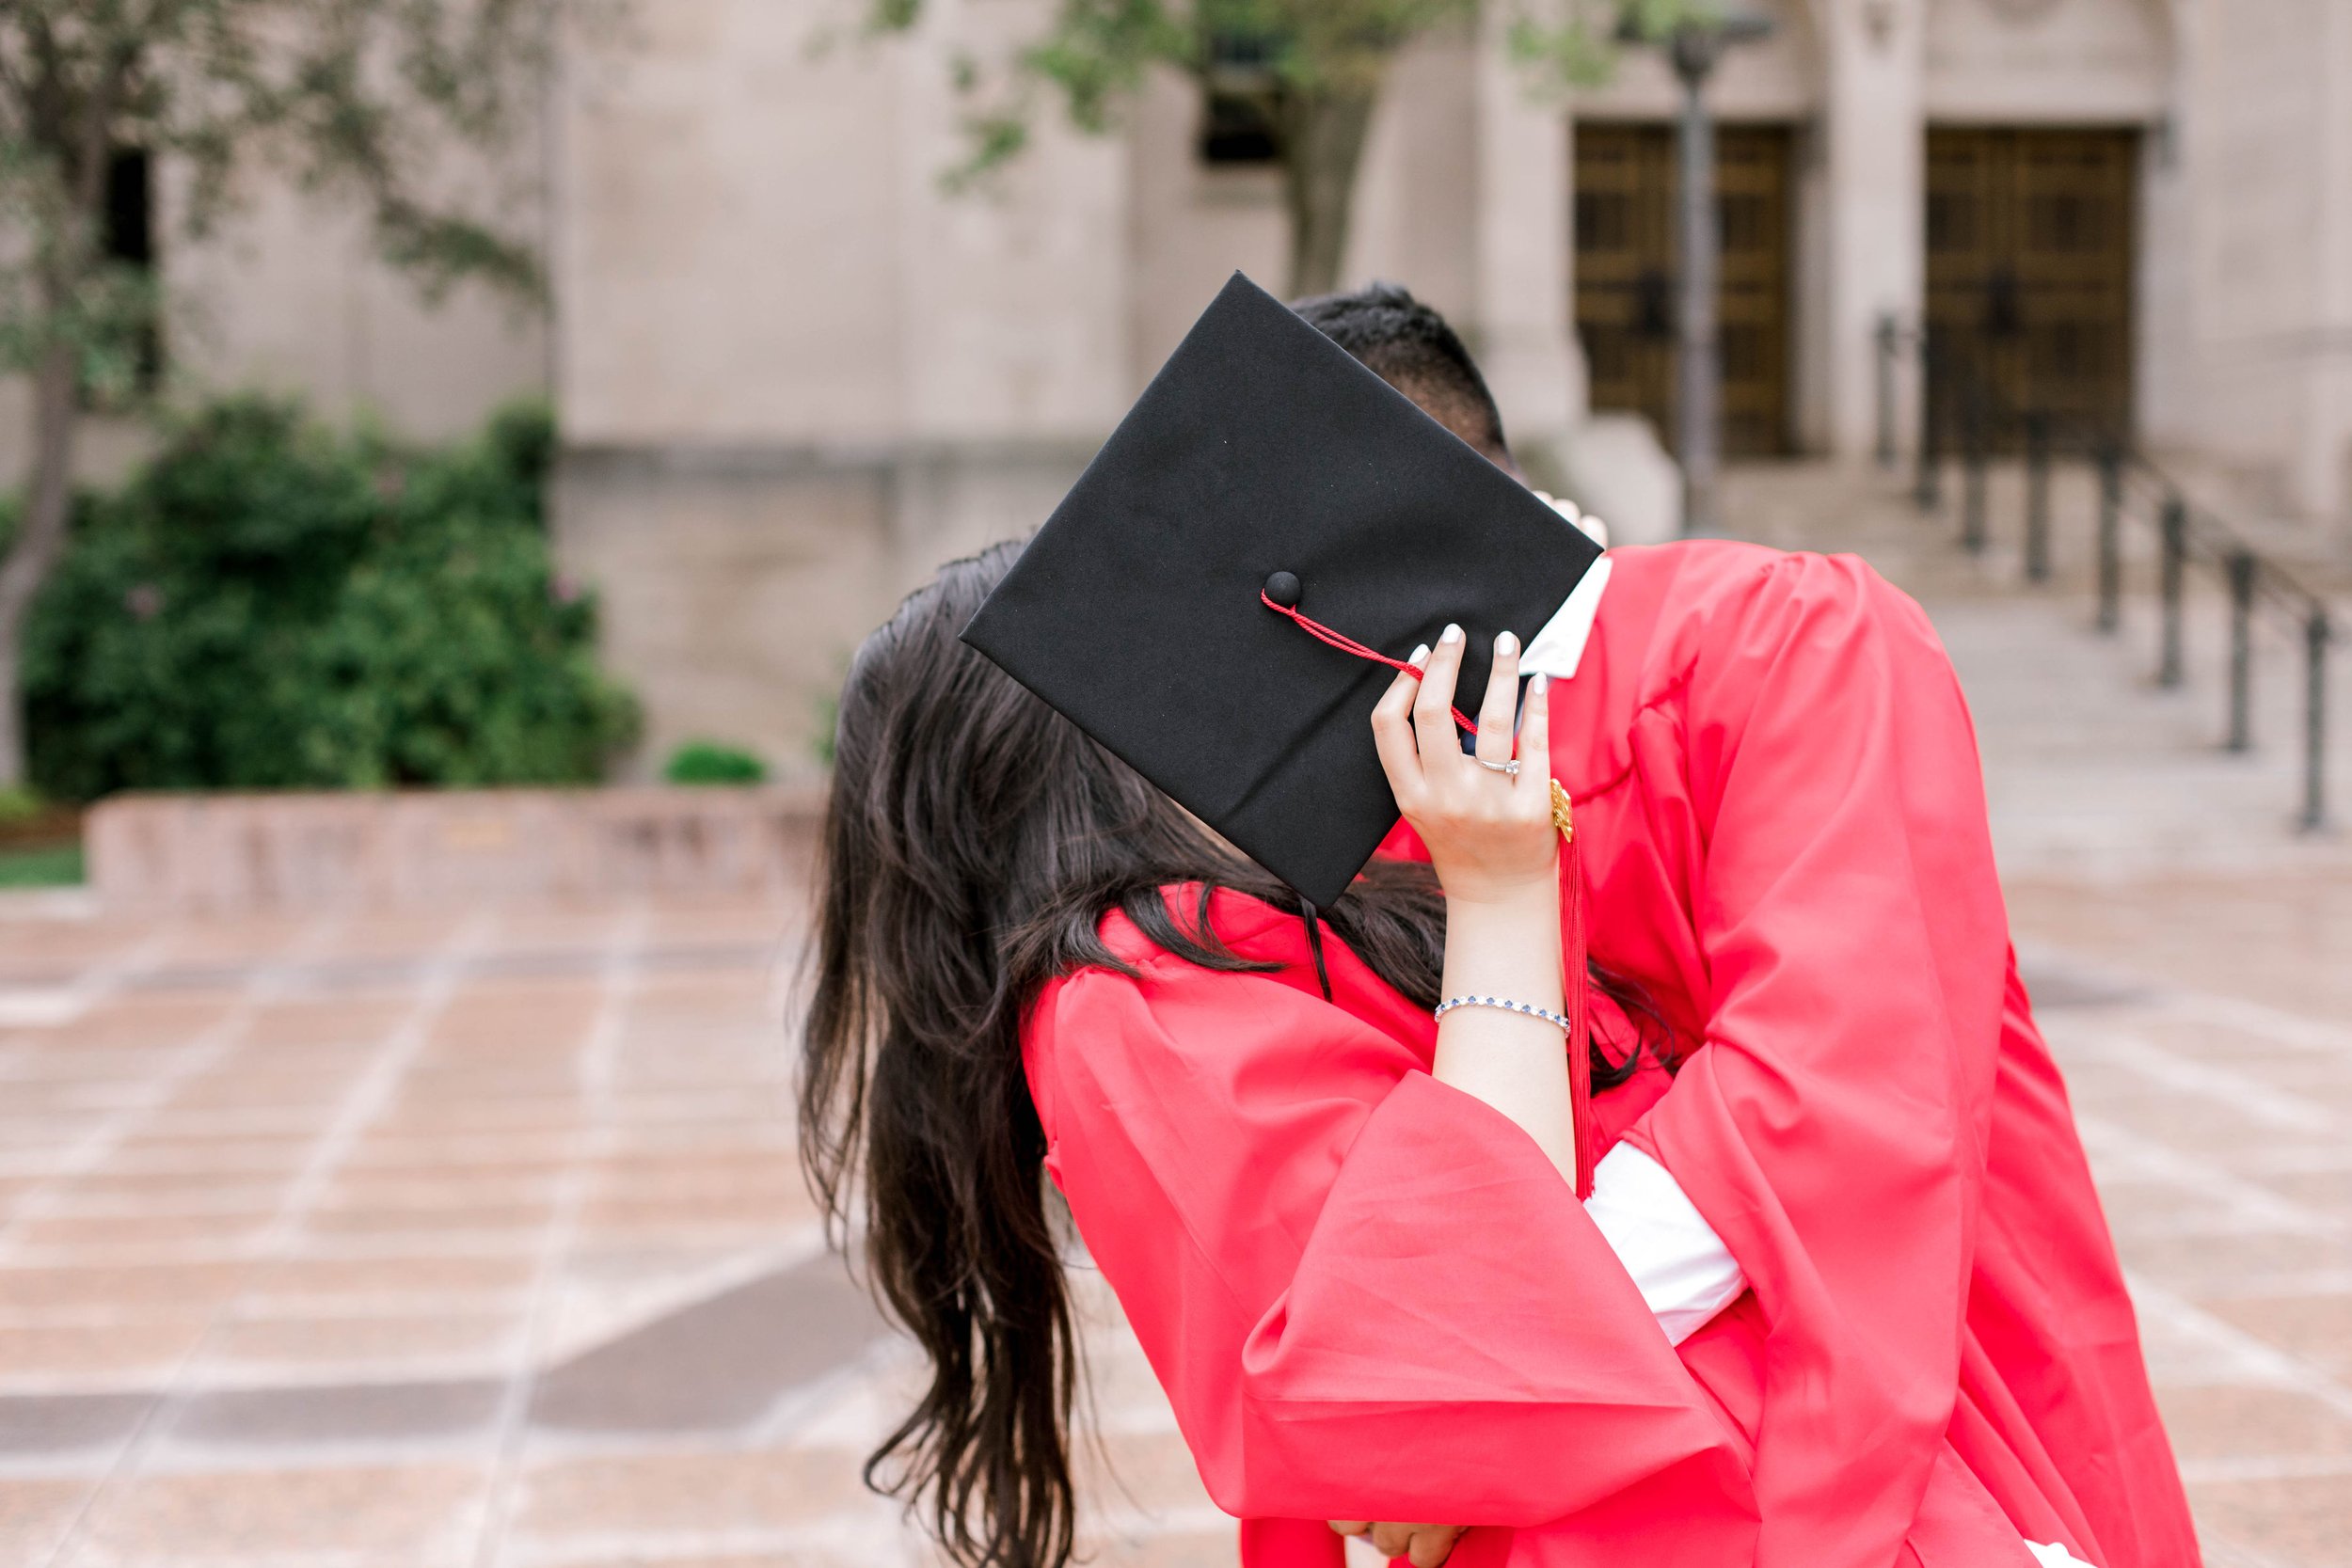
(1367, 1294)
(1832, 1126)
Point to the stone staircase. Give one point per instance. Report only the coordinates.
(2091, 770)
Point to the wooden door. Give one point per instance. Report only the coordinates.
(2029, 249)
(1625, 190)
(1625, 310)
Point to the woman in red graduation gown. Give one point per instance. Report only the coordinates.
(1348, 1234)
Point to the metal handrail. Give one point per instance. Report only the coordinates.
(2186, 533)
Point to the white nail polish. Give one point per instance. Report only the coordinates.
(1420, 656)
(1505, 644)
(1451, 634)
(1541, 683)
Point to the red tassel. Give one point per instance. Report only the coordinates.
(1574, 981)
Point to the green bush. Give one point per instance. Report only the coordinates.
(709, 762)
(19, 805)
(270, 604)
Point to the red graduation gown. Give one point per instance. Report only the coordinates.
(1370, 1296)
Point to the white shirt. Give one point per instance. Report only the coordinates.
(1683, 1270)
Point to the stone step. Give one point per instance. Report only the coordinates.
(2090, 768)
(297, 851)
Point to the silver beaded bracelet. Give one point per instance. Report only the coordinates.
(1507, 1006)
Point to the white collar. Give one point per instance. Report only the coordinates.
(1559, 648)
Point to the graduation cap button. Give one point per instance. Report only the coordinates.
(1282, 588)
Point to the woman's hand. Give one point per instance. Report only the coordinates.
(1490, 834)
(1423, 1545)
(1497, 855)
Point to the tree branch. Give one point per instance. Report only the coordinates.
(12, 85)
(98, 124)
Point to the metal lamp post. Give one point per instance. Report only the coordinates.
(1693, 47)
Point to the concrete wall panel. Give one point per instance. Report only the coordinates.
(2267, 94)
(730, 200)
(1874, 236)
(288, 294)
(1417, 199)
(1014, 294)
(2047, 61)
(1191, 224)
(733, 588)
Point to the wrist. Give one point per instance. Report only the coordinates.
(1504, 946)
(1513, 896)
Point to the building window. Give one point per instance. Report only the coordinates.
(129, 241)
(130, 221)
(1239, 98)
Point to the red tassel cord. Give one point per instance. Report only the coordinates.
(1575, 982)
(1348, 644)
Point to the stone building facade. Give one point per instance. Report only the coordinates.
(794, 372)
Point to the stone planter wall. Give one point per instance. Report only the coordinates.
(237, 853)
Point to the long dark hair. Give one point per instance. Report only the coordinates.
(973, 841)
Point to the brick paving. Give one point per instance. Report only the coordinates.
(2216, 1105)
(471, 1237)
(477, 1240)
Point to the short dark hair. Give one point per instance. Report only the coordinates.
(1411, 348)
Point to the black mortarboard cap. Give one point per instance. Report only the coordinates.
(1262, 448)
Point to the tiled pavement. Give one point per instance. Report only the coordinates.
(2216, 1104)
(406, 1239)
(478, 1241)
